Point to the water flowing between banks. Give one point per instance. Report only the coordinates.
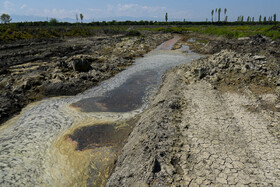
(73, 141)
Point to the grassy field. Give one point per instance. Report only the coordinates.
(272, 31)
(14, 32)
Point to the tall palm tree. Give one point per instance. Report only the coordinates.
(212, 13)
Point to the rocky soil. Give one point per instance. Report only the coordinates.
(32, 70)
(214, 122)
(209, 45)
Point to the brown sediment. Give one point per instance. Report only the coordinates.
(99, 135)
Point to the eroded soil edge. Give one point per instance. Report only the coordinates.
(214, 122)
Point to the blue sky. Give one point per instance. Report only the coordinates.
(197, 10)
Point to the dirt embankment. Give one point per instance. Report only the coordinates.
(32, 70)
(214, 121)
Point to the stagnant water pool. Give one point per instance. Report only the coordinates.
(74, 141)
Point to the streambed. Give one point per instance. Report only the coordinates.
(73, 141)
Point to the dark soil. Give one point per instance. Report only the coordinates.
(34, 69)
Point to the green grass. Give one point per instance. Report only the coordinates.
(224, 31)
(14, 32)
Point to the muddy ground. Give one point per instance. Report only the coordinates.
(34, 69)
(214, 122)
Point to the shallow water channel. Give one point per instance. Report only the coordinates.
(74, 141)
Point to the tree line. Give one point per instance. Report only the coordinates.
(217, 13)
(5, 19)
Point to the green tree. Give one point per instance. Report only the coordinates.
(226, 18)
(219, 14)
(166, 17)
(225, 12)
(6, 18)
(248, 19)
(253, 19)
(260, 18)
(264, 19)
(212, 13)
(274, 17)
(242, 18)
(82, 17)
(216, 10)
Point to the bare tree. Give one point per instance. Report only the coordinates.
(77, 18)
(6, 18)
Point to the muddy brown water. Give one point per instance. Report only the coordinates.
(74, 141)
(100, 135)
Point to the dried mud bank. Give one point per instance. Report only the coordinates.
(214, 122)
(32, 70)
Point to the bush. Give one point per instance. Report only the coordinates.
(53, 21)
(133, 33)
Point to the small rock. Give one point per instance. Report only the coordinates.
(259, 57)
(81, 65)
(243, 38)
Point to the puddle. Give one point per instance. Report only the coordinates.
(191, 40)
(186, 49)
(129, 96)
(91, 137)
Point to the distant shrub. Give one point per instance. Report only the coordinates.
(53, 21)
(133, 33)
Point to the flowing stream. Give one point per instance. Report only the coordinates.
(74, 141)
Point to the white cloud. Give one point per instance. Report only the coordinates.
(23, 6)
(131, 10)
(59, 13)
(8, 5)
(136, 10)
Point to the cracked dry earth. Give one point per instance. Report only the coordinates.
(228, 145)
(195, 135)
